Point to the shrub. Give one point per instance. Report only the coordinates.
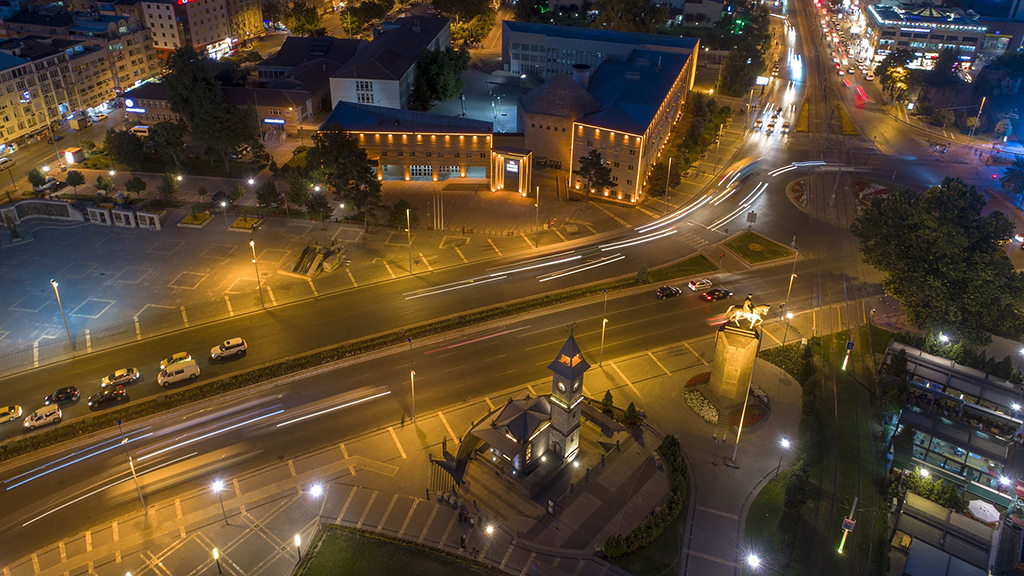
(699, 379)
(607, 403)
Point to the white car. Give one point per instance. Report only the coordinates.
(173, 358)
(42, 417)
(699, 284)
(99, 117)
(10, 413)
(232, 347)
(869, 76)
(120, 377)
(785, 127)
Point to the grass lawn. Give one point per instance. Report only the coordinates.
(763, 516)
(346, 552)
(662, 556)
(689, 267)
(756, 249)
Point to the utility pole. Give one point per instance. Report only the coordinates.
(412, 381)
(536, 239)
(604, 323)
(63, 317)
(131, 465)
(976, 120)
(408, 235)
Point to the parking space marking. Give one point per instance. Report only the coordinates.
(491, 242)
(508, 553)
(772, 336)
(347, 502)
(351, 277)
(187, 280)
(608, 212)
(523, 236)
(273, 301)
(426, 262)
(291, 468)
(35, 563)
(489, 403)
(238, 490)
(447, 531)
(35, 350)
(529, 562)
(408, 517)
(138, 329)
(313, 288)
(560, 235)
(184, 317)
(63, 552)
(113, 530)
(408, 239)
(131, 275)
(386, 265)
(397, 443)
(427, 525)
(658, 362)
(459, 252)
(102, 304)
(221, 251)
(623, 376)
(177, 507)
(690, 348)
(448, 427)
(231, 289)
(88, 341)
(227, 301)
(387, 513)
(344, 453)
(88, 540)
(166, 246)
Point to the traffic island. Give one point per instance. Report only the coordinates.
(755, 249)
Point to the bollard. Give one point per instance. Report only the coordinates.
(587, 477)
(617, 449)
(602, 460)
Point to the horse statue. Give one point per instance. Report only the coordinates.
(747, 311)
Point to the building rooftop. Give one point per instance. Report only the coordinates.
(630, 91)
(350, 117)
(560, 96)
(56, 20)
(234, 95)
(598, 35)
(569, 362)
(927, 16)
(395, 49)
(311, 76)
(515, 424)
(298, 50)
(11, 61)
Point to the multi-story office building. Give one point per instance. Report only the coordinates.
(925, 29)
(245, 19)
(201, 24)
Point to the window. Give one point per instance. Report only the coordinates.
(630, 168)
(616, 164)
(364, 86)
(632, 152)
(629, 182)
(363, 98)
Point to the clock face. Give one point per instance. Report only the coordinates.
(561, 388)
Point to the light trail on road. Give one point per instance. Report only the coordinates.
(125, 440)
(334, 408)
(209, 434)
(588, 266)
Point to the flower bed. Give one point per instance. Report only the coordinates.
(195, 220)
(244, 223)
(798, 191)
(699, 379)
(866, 190)
(701, 406)
(756, 413)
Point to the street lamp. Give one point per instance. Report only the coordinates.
(489, 529)
(536, 240)
(224, 210)
(1015, 407)
(604, 324)
(298, 545)
(753, 561)
(924, 473)
(412, 381)
(178, 177)
(943, 338)
(785, 444)
(63, 317)
(408, 235)
(251, 181)
(316, 188)
(46, 168)
(216, 558)
(316, 490)
(259, 285)
(218, 487)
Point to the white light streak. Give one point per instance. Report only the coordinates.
(208, 435)
(611, 259)
(333, 408)
(459, 285)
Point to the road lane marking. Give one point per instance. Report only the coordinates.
(117, 557)
(408, 517)
(291, 468)
(351, 277)
(88, 341)
(447, 427)
(772, 336)
(177, 507)
(529, 562)
(227, 301)
(138, 331)
(427, 525)
(425, 261)
(486, 546)
(614, 217)
(344, 453)
(35, 564)
(397, 443)
(238, 489)
(489, 241)
(387, 513)
(532, 391)
(660, 365)
(531, 244)
(564, 239)
(313, 288)
(489, 404)
(690, 348)
(113, 529)
(628, 383)
(362, 517)
(184, 317)
(459, 252)
(648, 212)
(511, 547)
(88, 540)
(181, 533)
(718, 512)
(347, 502)
(273, 301)
(63, 552)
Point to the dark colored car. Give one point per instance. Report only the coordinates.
(56, 138)
(108, 394)
(62, 395)
(668, 292)
(716, 294)
(222, 198)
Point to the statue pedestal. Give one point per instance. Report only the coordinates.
(735, 351)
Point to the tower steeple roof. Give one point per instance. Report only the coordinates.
(569, 363)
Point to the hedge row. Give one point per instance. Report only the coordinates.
(105, 420)
(616, 546)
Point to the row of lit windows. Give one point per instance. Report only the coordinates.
(401, 154)
(419, 137)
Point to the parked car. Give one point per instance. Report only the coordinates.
(42, 417)
(716, 294)
(668, 292)
(176, 357)
(54, 138)
(106, 395)
(699, 284)
(120, 377)
(62, 395)
(10, 413)
(231, 347)
(99, 117)
(187, 370)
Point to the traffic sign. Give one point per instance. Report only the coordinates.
(849, 346)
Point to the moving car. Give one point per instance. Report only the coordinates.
(716, 294)
(668, 292)
(231, 347)
(120, 377)
(99, 117)
(869, 76)
(65, 394)
(176, 357)
(785, 127)
(851, 71)
(42, 417)
(10, 413)
(699, 284)
(109, 394)
(757, 124)
(187, 370)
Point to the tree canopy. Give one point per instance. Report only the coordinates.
(462, 9)
(438, 77)
(1013, 181)
(944, 260)
(303, 19)
(337, 160)
(631, 15)
(124, 147)
(595, 172)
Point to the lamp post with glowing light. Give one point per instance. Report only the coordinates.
(63, 317)
(224, 211)
(784, 444)
(536, 204)
(259, 284)
(408, 235)
(216, 558)
(131, 464)
(298, 546)
(218, 488)
(604, 324)
(753, 562)
(412, 381)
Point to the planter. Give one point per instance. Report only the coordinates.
(244, 224)
(195, 220)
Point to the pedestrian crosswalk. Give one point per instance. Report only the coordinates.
(692, 239)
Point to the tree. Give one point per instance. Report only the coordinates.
(531, 10)
(607, 403)
(124, 147)
(135, 185)
(272, 12)
(302, 19)
(631, 417)
(89, 146)
(298, 191)
(631, 15)
(397, 216)
(318, 207)
(474, 31)
(944, 68)
(168, 186)
(438, 77)
(336, 159)
(104, 183)
(595, 172)
(462, 9)
(1004, 128)
(236, 192)
(943, 260)
(656, 180)
(74, 179)
(896, 59)
(36, 177)
(1012, 181)
(944, 117)
(267, 193)
(202, 193)
(229, 72)
(169, 138)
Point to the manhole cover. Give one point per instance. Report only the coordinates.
(755, 247)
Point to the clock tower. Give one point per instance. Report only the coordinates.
(566, 396)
